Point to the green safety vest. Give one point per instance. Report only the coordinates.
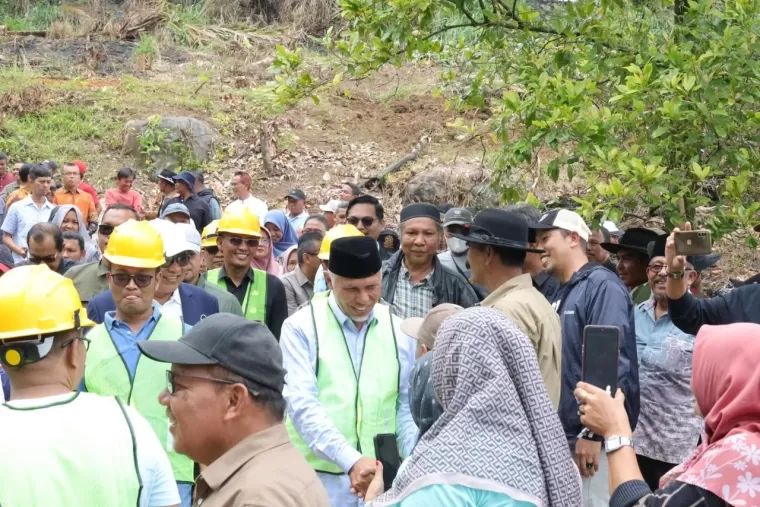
(255, 302)
(75, 452)
(360, 404)
(106, 373)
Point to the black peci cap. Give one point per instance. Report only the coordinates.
(421, 210)
(355, 257)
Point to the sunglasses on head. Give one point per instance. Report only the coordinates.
(183, 259)
(39, 260)
(122, 279)
(366, 221)
(249, 242)
(105, 229)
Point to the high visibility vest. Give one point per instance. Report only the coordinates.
(75, 452)
(105, 373)
(255, 302)
(360, 404)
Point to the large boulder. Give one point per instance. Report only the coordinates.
(465, 184)
(168, 142)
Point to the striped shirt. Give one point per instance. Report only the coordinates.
(413, 299)
(21, 217)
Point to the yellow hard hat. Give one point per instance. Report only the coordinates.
(239, 221)
(136, 245)
(337, 232)
(35, 301)
(208, 236)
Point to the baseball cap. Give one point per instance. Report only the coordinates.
(180, 238)
(424, 330)
(175, 207)
(297, 194)
(167, 175)
(563, 219)
(457, 216)
(331, 206)
(81, 165)
(244, 347)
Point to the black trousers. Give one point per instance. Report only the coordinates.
(653, 470)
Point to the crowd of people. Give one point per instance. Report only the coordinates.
(182, 352)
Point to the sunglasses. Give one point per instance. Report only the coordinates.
(123, 279)
(39, 260)
(249, 242)
(105, 229)
(366, 221)
(183, 259)
(171, 380)
(212, 250)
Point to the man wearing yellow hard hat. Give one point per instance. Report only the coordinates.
(322, 281)
(211, 256)
(62, 447)
(135, 253)
(261, 295)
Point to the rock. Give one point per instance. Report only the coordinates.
(176, 139)
(461, 184)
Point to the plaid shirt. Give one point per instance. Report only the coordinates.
(413, 300)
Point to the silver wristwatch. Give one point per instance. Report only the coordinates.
(612, 444)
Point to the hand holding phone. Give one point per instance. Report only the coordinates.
(601, 348)
(697, 242)
(386, 452)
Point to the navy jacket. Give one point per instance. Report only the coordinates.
(595, 295)
(197, 304)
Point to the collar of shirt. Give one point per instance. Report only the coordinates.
(344, 319)
(300, 277)
(65, 190)
(648, 307)
(111, 321)
(406, 275)
(521, 281)
(223, 274)
(27, 201)
(220, 471)
(102, 268)
(304, 212)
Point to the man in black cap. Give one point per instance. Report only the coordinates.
(225, 406)
(323, 346)
(184, 183)
(498, 243)
(632, 261)
(297, 213)
(166, 192)
(414, 280)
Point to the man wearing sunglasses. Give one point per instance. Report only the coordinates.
(114, 367)
(175, 298)
(90, 279)
(261, 295)
(45, 242)
(366, 214)
(60, 444)
(211, 256)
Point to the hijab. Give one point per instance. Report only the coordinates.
(425, 408)
(725, 382)
(285, 256)
(90, 249)
(499, 431)
(289, 236)
(268, 264)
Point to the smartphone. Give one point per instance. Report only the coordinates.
(693, 242)
(601, 348)
(386, 452)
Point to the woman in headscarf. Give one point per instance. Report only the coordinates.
(289, 259)
(725, 469)
(264, 259)
(283, 234)
(68, 218)
(499, 440)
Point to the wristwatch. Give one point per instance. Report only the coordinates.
(612, 444)
(676, 275)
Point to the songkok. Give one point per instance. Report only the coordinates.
(421, 210)
(354, 257)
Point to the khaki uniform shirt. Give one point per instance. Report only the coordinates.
(532, 313)
(264, 470)
(89, 280)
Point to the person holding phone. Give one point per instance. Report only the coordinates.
(690, 313)
(589, 294)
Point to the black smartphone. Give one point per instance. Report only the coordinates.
(386, 452)
(601, 347)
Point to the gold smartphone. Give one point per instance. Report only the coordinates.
(693, 242)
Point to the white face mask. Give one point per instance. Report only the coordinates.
(457, 246)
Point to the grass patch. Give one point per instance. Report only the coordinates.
(39, 15)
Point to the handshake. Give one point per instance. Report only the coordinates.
(367, 479)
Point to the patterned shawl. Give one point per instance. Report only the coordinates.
(498, 426)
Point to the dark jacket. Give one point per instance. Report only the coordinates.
(739, 305)
(213, 203)
(449, 287)
(198, 208)
(595, 296)
(546, 284)
(197, 304)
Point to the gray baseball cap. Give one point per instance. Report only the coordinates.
(457, 216)
(244, 347)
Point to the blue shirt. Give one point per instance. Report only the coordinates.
(320, 284)
(21, 216)
(298, 221)
(299, 355)
(457, 495)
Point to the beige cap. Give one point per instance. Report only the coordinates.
(424, 330)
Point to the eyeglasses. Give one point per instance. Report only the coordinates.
(264, 242)
(313, 230)
(86, 342)
(39, 260)
(657, 268)
(249, 242)
(212, 250)
(183, 259)
(171, 379)
(123, 279)
(366, 221)
(105, 229)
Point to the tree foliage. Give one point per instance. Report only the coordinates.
(655, 105)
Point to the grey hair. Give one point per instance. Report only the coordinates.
(530, 212)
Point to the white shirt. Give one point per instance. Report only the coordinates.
(173, 306)
(159, 488)
(254, 205)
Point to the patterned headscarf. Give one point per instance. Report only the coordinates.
(57, 216)
(499, 430)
